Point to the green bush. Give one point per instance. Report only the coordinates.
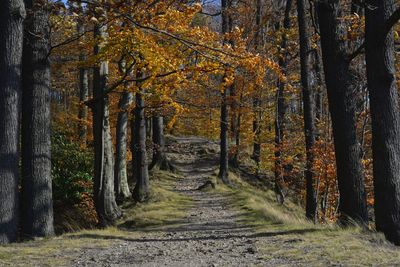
(71, 169)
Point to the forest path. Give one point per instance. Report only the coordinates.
(210, 235)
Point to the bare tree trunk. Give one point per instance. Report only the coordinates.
(37, 196)
(281, 107)
(160, 160)
(140, 170)
(224, 146)
(340, 86)
(257, 98)
(224, 157)
(103, 182)
(12, 14)
(83, 92)
(384, 102)
(308, 105)
(121, 176)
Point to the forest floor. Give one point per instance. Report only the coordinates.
(227, 226)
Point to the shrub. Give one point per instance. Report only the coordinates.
(71, 169)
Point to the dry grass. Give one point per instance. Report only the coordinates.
(164, 207)
(296, 240)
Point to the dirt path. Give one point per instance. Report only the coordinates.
(210, 236)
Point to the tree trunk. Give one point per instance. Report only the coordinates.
(224, 148)
(281, 106)
(121, 177)
(384, 102)
(103, 182)
(224, 145)
(308, 105)
(257, 98)
(140, 169)
(83, 92)
(340, 86)
(37, 198)
(12, 14)
(160, 160)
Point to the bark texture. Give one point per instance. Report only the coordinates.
(140, 168)
(83, 92)
(160, 160)
(12, 14)
(37, 199)
(257, 99)
(224, 127)
(281, 106)
(340, 86)
(385, 116)
(103, 182)
(121, 176)
(308, 104)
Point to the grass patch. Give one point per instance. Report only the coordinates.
(164, 207)
(291, 238)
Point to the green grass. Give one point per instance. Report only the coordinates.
(164, 207)
(289, 236)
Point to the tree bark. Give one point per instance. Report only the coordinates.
(340, 86)
(257, 98)
(224, 145)
(281, 106)
(12, 14)
(103, 182)
(385, 116)
(83, 92)
(308, 105)
(37, 199)
(121, 177)
(140, 169)
(160, 160)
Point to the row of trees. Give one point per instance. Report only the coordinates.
(247, 80)
(335, 24)
(134, 52)
(25, 81)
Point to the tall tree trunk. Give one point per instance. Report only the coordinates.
(140, 170)
(103, 182)
(281, 106)
(83, 92)
(235, 159)
(340, 86)
(121, 176)
(224, 145)
(384, 102)
(257, 98)
(37, 198)
(308, 105)
(12, 14)
(160, 160)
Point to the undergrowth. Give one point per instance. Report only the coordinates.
(164, 207)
